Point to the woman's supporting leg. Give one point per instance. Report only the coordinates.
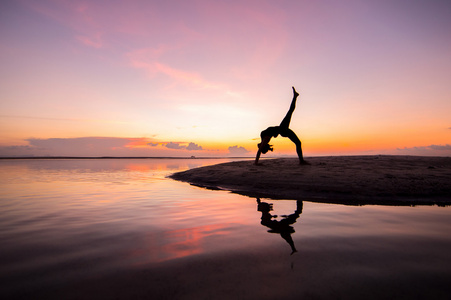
(294, 138)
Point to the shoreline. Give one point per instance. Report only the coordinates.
(350, 180)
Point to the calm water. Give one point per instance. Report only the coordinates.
(119, 229)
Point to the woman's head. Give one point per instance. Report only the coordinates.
(276, 132)
(264, 207)
(265, 148)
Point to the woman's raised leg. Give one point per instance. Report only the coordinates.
(285, 124)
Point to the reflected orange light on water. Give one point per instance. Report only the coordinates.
(137, 167)
(189, 241)
(177, 243)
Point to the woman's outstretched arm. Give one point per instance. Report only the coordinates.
(258, 156)
(264, 142)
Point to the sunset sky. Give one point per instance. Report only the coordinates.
(204, 78)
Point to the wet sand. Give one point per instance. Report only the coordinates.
(355, 180)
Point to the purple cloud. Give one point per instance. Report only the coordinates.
(84, 147)
(80, 143)
(441, 147)
(96, 147)
(172, 145)
(235, 150)
(439, 150)
(193, 146)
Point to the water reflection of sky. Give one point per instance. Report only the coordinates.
(60, 218)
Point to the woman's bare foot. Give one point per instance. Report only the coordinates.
(295, 94)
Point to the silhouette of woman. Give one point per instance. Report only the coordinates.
(283, 226)
(284, 131)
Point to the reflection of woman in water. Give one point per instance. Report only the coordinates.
(283, 226)
(284, 131)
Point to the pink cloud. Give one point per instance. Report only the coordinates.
(147, 59)
(187, 77)
(240, 38)
(95, 42)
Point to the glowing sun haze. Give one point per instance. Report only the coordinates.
(204, 78)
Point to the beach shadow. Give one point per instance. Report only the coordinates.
(281, 227)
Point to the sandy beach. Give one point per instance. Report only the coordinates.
(355, 180)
